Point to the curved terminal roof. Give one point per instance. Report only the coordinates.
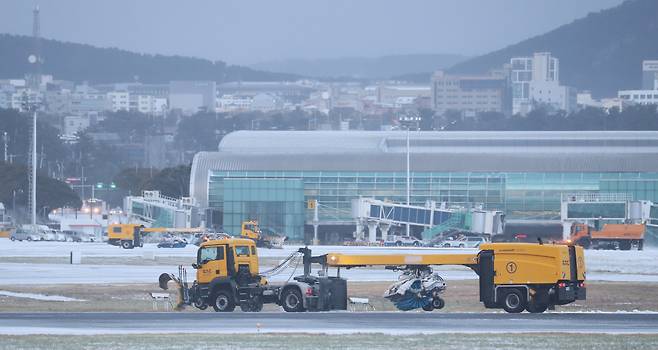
(450, 151)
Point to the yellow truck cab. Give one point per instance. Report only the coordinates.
(127, 236)
(221, 258)
(227, 274)
(250, 229)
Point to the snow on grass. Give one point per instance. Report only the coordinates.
(96, 249)
(42, 297)
(344, 342)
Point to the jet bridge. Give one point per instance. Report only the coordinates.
(374, 214)
(597, 209)
(153, 209)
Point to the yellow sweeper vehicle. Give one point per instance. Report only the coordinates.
(512, 276)
(264, 238)
(129, 236)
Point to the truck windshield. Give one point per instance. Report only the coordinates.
(242, 250)
(209, 254)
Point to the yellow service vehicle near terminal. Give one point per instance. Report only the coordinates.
(512, 276)
(130, 236)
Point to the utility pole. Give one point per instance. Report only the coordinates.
(408, 178)
(82, 180)
(5, 138)
(33, 184)
(35, 60)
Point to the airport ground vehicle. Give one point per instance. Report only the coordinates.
(512, 276)
(611, 236)
(129, 236)
(21, 234)
(401, 241)
(173, 243)
(264, 238)
(77, 236)
(464, 242)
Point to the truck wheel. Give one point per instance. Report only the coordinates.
(536, 307)
(462, 245)
(199, 304)
(625, 245)
(514, 301)
(291, 300)
(13, 239)
(438, 303)
(428, 307)
(398, 244)
(640, 245)
(223, 302)
(126, 245)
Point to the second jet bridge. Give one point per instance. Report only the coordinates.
(374, 214)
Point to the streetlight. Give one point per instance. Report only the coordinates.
(408, 179)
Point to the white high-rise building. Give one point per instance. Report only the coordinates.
(648, 95)
(536, 80)
(650, 75)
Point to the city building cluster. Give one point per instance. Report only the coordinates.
(520, 86)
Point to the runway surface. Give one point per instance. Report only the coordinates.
(330, 323)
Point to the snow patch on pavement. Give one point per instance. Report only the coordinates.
(42, 297)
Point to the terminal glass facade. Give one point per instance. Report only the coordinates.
(278, 203)
(279, 199)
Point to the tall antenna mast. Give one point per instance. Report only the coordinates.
(35, 60)
(36, 37)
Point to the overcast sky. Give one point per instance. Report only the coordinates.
(249, 31)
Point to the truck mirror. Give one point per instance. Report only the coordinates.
(195, 266)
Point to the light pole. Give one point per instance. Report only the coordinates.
(34, 169)
(408, 178)
(5, 138)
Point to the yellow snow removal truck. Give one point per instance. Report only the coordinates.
(512, 276)
(263, 237)
(129, 236)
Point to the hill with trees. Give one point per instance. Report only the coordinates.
(601, 52)
(384, 67)
(78, 62)
(51, 193)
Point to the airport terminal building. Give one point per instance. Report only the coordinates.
(273, 175)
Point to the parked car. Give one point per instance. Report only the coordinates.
(400, 241)
(75, 236)
(21, 234)
(173, 243)
(465, 242)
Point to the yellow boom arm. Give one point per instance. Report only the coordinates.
(173, 230)
(344, 260)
